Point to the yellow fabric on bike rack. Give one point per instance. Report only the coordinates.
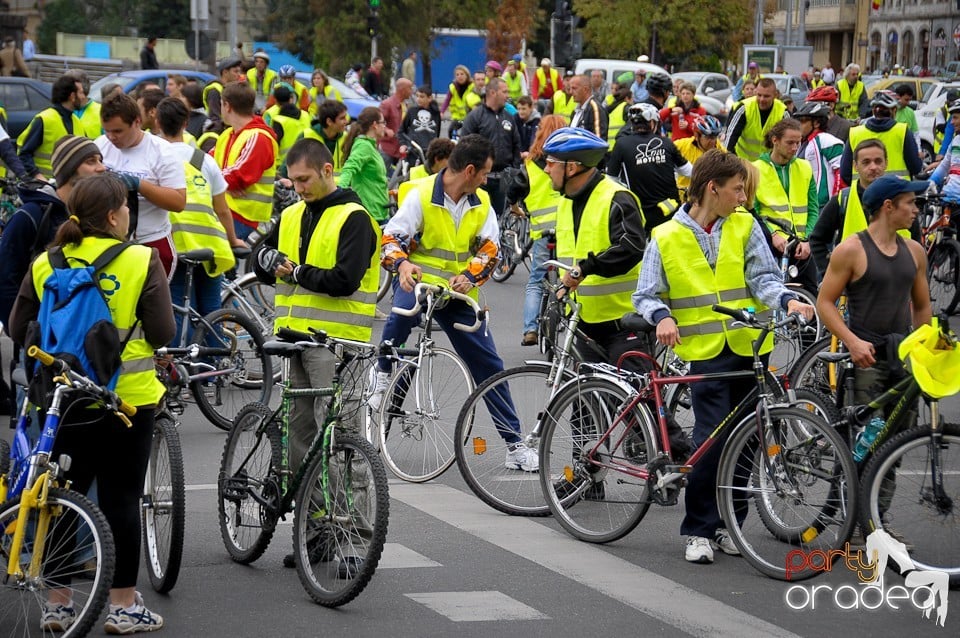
(935, 365)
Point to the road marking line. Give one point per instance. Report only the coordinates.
(473, 606)
(644, 590)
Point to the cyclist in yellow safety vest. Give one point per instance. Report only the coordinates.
(288, 74)
(853, 94)
(323, 258)
(231, 70)
(903, 158)
(329, 128)
(516, 81)
(205, 222)
(678, 286)
(562, 103)
(320, 91)
(787, 194)
(88, 111)
(261, 78)
(616, 105)
(817, 80)
(456, 99)
(288, 123)
(546, 81)
(756, 116)
(36, 142)
(445, 232)
(246, 153)
(706, 136)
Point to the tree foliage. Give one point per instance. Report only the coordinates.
(514, 20)
(683, 28)
(170, 19)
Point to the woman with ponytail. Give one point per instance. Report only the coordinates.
(138, 297)
(363, 168)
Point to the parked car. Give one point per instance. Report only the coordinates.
(133, 80)
(920, 85)
(22, 98)
(715, 85)
(714, 107)
(354, 101)
(934, 99)
(613, 68)
(791, 85)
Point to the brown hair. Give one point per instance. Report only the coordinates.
(240, 97)
(548, 124)
(90, 201)
(777, 130)
(369, 116)
(750, 183)
(713, 166)
(122, 106)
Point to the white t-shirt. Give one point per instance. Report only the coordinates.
(184, 152)
(151, 160)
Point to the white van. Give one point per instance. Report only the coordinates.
(613, 68)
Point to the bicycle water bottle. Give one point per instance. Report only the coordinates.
(867, 437)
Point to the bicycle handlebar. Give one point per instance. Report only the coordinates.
(748, 316)
(421, 291)
(123, 410)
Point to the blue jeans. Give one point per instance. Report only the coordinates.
(242, 230)
(206, 293)
(539, 253)
(476, 349)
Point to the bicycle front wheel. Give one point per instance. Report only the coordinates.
(248, 487)
(77, 559)
(789, 342)
(943, 272)
(340, 521)
(418, 415)
(592, 500)
(788, 485)
(898, 496)
(504, 410)
(810, 371)
(163, 506)
(239, 374)
(513, 236)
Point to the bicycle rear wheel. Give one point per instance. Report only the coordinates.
(514, 230)
(519, 394)
(897, 496)
(163, 507)
(84, 569)
(592, 502)
(943, 272)
(418, 415)
(241, 374)
(337, 549)
(791, 489)
(248, 487)
(789, 342)
(809, 371)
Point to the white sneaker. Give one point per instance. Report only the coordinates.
(520, 457)
(379, 385)
(724, 543)
(698, 550)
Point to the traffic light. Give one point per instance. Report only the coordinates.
(561, 41)
(373, 23)
(374, 4)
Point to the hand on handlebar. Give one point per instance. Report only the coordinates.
(460, 283)
(804, 309)
(409, 275)
(668, 333)
(779, 242)
(803, 250)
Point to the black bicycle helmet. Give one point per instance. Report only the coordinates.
(886, 99)
(575, 145)
(643, 113)
(659, 84)
(813, 110)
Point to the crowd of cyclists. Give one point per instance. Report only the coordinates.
(618, 175)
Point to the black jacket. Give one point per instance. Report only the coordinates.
(594, 118)
(501, 129)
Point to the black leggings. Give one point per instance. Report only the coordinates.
(117, 457)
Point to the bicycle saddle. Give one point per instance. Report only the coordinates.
(198, 256)
(833, 357)
(635, 322)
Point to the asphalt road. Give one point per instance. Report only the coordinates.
(453, 566)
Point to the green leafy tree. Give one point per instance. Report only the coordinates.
(168, 19)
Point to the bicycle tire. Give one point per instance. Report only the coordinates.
(930, 528)
(790, 342)
(481, 450)
(337, 552)
(251, 457)
(513, 232)
(72, 515)
(816, 458)
(222, 396)
(384, 294)
(417, 441)
(587, 505)
(259, 297)
(163, 507)
(4, 457)
(809, 371)
(943, 276)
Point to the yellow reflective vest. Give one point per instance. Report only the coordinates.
(214, 85)
(263, 87)
(122, 283)
(514, 85)
(293, 129)
(542, 80)
(694, 287)
(458, 103)
(774, 201)
(198, 225)
(329, 93)
(849, 102)
(564, 105)
(892, 139)
(602, 298)
(300, 309)
(53, 130)
(542, 201)
(854, 217)
(445, 248)
(311, 134)
(615, 122)
(256, 203)
(90, 125)
(691, 152)
(750, 144)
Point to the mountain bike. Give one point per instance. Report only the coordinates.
(515, 243)
(56, 544)
(943, 254)
(338, 495)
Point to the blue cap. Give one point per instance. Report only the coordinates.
(888, 187)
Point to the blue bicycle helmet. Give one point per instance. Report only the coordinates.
(575, 145)
(709, 126)
(287, 71)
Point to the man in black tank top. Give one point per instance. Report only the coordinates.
(882, 274)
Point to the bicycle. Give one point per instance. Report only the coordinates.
(338, 495)
(417, 414)
(9, 199)
(231, 369)
(604, 460)
(943, 255)
(515, 243)
(42, 520)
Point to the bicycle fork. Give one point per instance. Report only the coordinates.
(34, 498)
(936, 495)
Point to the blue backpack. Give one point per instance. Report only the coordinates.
(75, 323)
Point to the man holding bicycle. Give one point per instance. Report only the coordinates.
(707, 254)
(323, 256)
